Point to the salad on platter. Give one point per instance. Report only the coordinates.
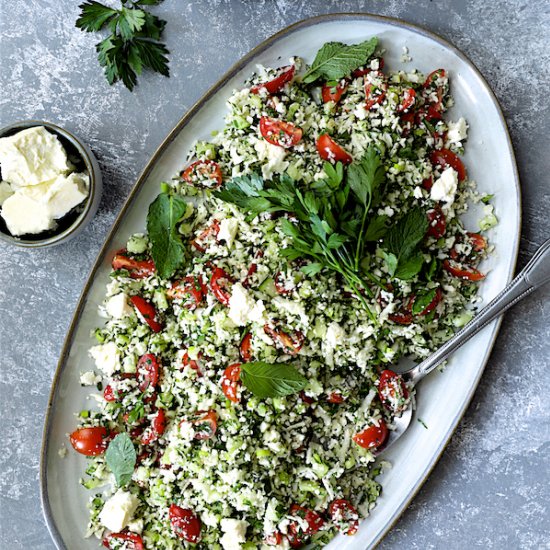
(244, 370)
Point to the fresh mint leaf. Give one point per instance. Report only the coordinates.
(403, 239)
(121, 458)
(167, 248)
(377, 228)
(93, 16)
(336, 60)
(271, 380)
(423, 300)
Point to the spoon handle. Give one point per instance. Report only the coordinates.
(535, 274)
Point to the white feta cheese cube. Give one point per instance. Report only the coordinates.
(234, 533)
(89, 378)
(117, 306)
(118, 510)
(106, 357)
(444, 188)
(24, 215)
(457, 131)
(228, 231)
(243, 307)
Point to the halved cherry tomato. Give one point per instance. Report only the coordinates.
(372, 437)
(362, 71)
(131, 541)
(185, 523)
(156, 429)
(306, 398)
(278, 132)
(437, 222)
(147, 371)
(231, 382)
(428, 183)
(204, 173)
(409, 97)
(206, 424)
(277, 84)
(219, 284)
(274, 539)
(392, 391)
(344, 516)
(279, 283)
(375, 94)
(109, 394)
(465, 273)
(147, 310)
(333, 93)
(296, 532)
(191, 363)
(335, 397)
(136, 269)
(291, 343)
(432, 305)
(434, 108)
(245, 348)
(433, 77)
(445, 158)
(401, 317)
(479, 242)
(90, 441)
(212, 229)
(191, 288)
(329, 150)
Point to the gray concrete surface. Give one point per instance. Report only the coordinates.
(490, 488)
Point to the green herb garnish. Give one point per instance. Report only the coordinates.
(121, 458)
(134, 43)
(271, 380)
(167, 248)
(336, 60)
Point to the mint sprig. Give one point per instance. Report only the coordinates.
(271, 380)
(121, 458)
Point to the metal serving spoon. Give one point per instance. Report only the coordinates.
(535, 274)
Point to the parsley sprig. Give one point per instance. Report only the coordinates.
(328, 223)
(134, 42)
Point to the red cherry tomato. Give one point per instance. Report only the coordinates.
(147, 310)
(212, 229)
(392, 391)
(274, 539)
(191, 363)
(432, 305)
(296, 532)
(147, 372)
(137, 269)
(465, 273)
(409, 97)
(329, 150)
(185, 523)
(156, 429)
(335, 397)
(90, 441)
(245, 348)
(479, 243)
(219, 284)
(433, 77)
(344, 516)
(434, 108)
(190, 288)
(334, 93)
(277, 84)
(291, 343)
(231, 382)
(280, 284)
(278, 132)
(131, 541)
(109, 394)
(206, 424)
(437, 222)
(401, 317)
(362, 71)
(372, 437)
(445, 158)
(375, 94)
(306, 398)
(428, 183)
(203, 173)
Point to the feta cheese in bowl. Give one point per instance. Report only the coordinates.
(50, 184)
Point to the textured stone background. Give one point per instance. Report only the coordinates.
(490, 488)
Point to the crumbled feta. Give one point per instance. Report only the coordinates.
(136, 526)
(118, 307)
(234, 533)
(291, 306)
(228, 230)
(274, 155)
(334, 337)
(106, 357)
(417, 193)
(89, 378)
(444, 188)
(243, 308)
(118, 510)
(457, 131)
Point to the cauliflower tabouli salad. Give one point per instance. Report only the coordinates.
(244, 368)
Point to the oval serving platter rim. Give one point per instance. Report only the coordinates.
(184, 120)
